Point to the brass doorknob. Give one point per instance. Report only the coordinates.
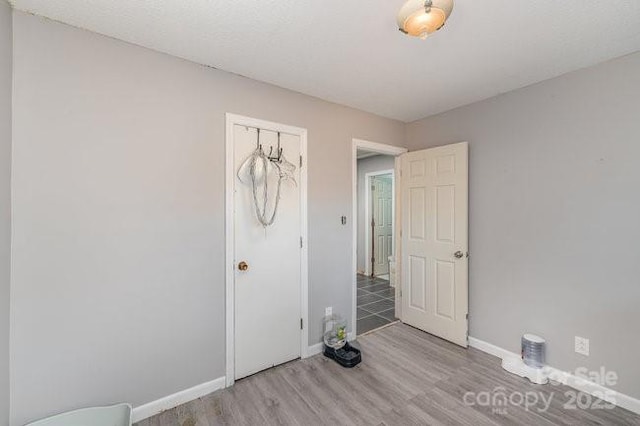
(243, 266)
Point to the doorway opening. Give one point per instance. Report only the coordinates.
(378, 219)
(374, 241)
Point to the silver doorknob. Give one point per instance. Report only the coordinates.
(458, 254)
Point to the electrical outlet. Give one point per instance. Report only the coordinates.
(582, 345)
(328, 311)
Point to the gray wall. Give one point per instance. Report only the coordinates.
(554, 208)
(118, 285)
(5, 202)
(367, 165)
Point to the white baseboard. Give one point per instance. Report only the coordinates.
(318, 347)
(168, 402)
(489, 348)
(575, 382)
(314, 349)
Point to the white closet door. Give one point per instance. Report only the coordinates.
(267, 294)
(435, 241)
(382, 209)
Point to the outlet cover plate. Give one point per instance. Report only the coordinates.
(582, 345)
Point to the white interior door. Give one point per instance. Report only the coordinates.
(382, 210)
(267, 305)
(435, 241)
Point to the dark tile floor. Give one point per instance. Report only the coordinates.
(376, 303)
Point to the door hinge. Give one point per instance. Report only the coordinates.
(301, 324)
(300, 242)
(301, 161)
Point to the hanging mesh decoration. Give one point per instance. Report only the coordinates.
(256, 170)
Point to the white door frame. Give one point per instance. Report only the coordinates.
(378, 148)
(230, 262)
(368, 213)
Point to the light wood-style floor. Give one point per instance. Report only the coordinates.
(407, 377)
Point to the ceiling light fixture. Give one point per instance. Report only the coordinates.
(419, 18)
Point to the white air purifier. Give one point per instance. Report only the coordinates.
(531, 362)
(533, 348)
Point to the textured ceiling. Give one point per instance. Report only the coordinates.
(351, 52)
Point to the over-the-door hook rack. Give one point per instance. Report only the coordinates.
(258, 146)
(278, 151)
(275, 158)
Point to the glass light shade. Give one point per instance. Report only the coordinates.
(419, 18)
(421, 24)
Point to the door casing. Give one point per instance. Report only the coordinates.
(230, 262)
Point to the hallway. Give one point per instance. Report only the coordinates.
(376, 303)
